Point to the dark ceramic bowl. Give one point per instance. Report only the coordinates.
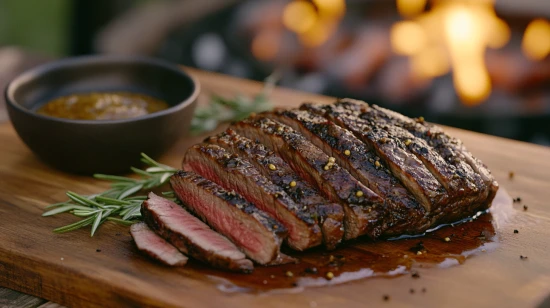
(103, 146)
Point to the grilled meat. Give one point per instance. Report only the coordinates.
(329, 215)
(451, 149)
(155, 246)
(475, 185)
(191, 236)
(405, 214)
(256, 233)
(393, 154)
(364, 213)
(234, 173)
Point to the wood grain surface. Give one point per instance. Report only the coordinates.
(106, 270)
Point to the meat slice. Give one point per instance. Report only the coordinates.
(191, 236)
(234, 173)
(255, 232)
(393, 153)
(363, 209)
(450, 148)
(329, 216)
(155, 246)
(406, 215)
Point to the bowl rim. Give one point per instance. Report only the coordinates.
(77, 61)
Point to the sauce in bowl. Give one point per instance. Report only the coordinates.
(102, 106)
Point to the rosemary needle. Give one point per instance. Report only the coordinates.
(119, 203)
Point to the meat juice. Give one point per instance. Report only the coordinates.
(444, 246)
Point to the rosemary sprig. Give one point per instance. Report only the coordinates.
(220, 109)
(120, 200)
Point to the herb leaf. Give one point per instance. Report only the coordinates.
(118, 201)
(221, 110)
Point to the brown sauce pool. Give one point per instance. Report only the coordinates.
(102, 106)
(449, 245)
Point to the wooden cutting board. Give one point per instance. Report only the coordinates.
(75, 270)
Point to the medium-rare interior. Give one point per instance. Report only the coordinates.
(329, 215)
(191, 236)
(155, 246)
(363, 209)
(254, 231)
(232, 172)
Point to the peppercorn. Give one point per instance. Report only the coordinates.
(292, 184)
(347, 152)
(359, 193)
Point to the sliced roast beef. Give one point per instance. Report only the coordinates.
(393, 153)
(364, 212)
(155, 246)
(330, 216)
(255, 232)
(234, 173)
(405, 213)
(191, 236)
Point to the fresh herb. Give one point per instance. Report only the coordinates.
(220, 109)
(119, 203)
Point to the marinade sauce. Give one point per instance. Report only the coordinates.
(102, 106)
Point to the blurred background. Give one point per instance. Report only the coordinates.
(482, 65)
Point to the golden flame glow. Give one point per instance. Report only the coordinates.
(536, 40)
(315, 21)
(453, 34)
(410, 8)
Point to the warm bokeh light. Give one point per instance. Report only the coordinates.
(500, 33)
(454, 33)
(431, 62)
(472, 82)
(266, 44)
(536, 40)
(314, 22)
(407, 37)
(331, 8)
(299, 16)
(318, 34)
(410, 8)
